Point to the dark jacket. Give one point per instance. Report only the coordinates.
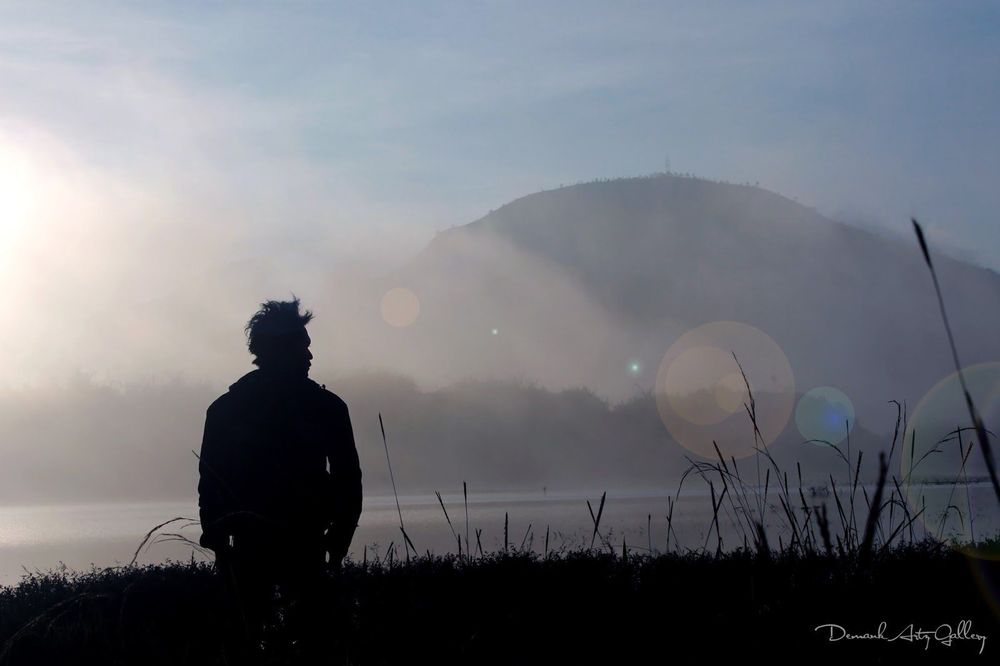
(278, 466)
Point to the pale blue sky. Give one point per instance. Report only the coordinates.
(340, 136)
(433, 113)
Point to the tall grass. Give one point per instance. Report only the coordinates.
(977, 421)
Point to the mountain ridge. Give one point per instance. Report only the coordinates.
(597, 273)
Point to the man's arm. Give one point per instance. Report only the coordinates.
(345, 477)
(213, 495)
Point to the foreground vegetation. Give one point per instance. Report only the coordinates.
(517, 607)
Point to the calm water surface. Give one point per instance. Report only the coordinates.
(39, 538)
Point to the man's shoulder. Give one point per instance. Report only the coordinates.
(327, 397)
(220, 403)
(220, 407)
(238, 397)
(241, 394)
(237, 392)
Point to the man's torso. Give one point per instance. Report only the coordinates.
(274, 441)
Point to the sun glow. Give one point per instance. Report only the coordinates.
(17, 198)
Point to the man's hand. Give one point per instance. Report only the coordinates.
(214, 541)
(335, 561)
(336, 546)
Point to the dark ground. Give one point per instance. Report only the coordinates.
(515, 608)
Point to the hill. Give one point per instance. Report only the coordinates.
(584, 282)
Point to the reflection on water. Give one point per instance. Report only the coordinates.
(42, 537)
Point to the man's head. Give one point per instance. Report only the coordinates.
(277, 337)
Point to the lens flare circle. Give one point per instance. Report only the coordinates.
(400, 307)
(942, 468)
(824, 414)
(702, 397)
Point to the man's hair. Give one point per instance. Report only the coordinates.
(274, 320)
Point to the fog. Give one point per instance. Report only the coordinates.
(124, 319)
(163, 172)
(505, 357)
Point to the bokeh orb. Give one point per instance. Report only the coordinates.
(400, 307)
(702, 396)
(824, 414)
(942, 470)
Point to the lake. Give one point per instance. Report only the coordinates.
(39, 538)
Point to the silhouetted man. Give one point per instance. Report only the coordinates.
(280, 486)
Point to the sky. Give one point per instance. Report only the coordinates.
(155, 155)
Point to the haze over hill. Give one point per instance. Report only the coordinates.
(583, 280)
(582, 290)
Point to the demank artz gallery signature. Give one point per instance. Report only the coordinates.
(943, 634)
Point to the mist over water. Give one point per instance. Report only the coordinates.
(586, 335)
(40, 538)
(413, 189)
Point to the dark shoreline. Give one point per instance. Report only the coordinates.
(517, 607)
